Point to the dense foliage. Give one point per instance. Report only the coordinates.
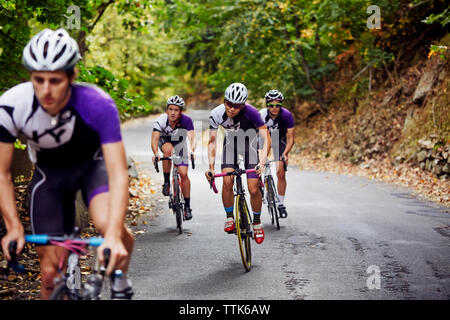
(157, 48)
(20, 19)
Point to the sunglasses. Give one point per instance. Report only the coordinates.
(274, 105)
(235, 106)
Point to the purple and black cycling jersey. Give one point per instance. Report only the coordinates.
(65, 148)
(176, 136)
(74, 135)
(278, 128)
(282, 122)
(241, 135)
(162, 125)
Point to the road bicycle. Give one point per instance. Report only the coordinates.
(69, 285)
(176, 199)
(242, 217)
(271, 192)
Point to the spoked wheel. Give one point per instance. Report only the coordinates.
(179, 217)
(61, 292)
(244, 232)
(271, 202)
(177, 206)
(274, 212)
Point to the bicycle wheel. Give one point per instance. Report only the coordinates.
(177, 206)
(271, 201)
(61, 292)
(266, 184)
(243, 232)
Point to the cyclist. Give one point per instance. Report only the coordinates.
(74, 141)
(171, 132)
(280, 123)
(242, 124)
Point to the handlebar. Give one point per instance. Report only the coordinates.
(46, 239)
(157, 159)
(236, 172)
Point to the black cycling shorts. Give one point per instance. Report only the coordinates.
(247, 147)
(53, 191)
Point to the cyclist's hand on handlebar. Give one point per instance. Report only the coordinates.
(16, 234)
(260, 167)
(284, 158)
(209, 175)
(118, 257)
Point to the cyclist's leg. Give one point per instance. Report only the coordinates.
(95, 192)
(49, 259)
(185, 182)
(228, 199)
(281, 184)
(121, 288)
(181, 150)
(166, 148)
(255, 195)
(253, 182)
(281, 177)
(52, 211)
(185, 189)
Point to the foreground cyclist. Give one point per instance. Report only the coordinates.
(242, 124)
(280, 123)
(74, 141)
(171, 132)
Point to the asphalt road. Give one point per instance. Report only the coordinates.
(345, 237)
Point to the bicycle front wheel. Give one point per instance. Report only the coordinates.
(177, 207)
(270, 185)
(243, 231)
(61, 292)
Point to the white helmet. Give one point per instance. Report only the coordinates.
(236, 93)
(176, 100)
(50, 51)
(274, 95)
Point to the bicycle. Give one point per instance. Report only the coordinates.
(176, 199)
(243, 220)
(69, 285)
(271, 192)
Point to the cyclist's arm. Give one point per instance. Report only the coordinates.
(264, 133)
(290, 140)
(212, 148)
(192, 142)
(116, 166)
(155, 140)
(7, 201)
